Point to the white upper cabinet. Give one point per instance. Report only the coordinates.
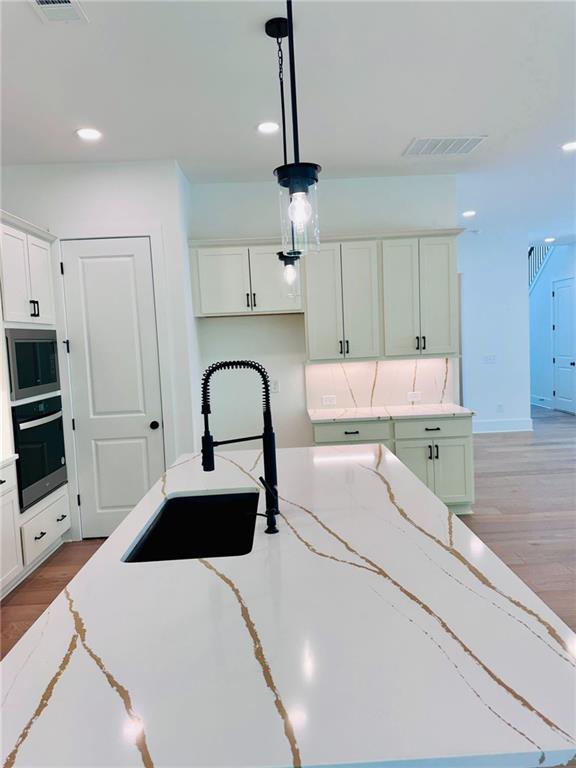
(420, 297)
(27, 282)
(360, 297)
(237, 281)
(401, 296)
(224, 281)
(270, 292)
(438, 296)
(324, 317)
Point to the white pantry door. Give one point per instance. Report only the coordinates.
(564, 340)
(114, 376)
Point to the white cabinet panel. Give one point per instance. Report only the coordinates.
(15, 276)
(10, 549)
(224, 281)
(270, 292)
(453, 470)
(41, 279)
(438, 296)
(401, 293)
(324, 322)
(360, 297)
(418, 456)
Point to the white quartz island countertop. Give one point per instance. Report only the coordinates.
(384, 412)
(374, 629)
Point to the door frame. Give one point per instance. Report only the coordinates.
(553, 323)
(155, 233)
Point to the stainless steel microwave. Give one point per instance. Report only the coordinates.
(32, 361)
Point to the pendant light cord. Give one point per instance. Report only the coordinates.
(293, 82)
(282, 101)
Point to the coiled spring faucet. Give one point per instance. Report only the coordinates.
(270, 479)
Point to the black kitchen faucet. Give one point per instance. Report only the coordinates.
(270, 479)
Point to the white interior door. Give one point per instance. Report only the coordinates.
(564, 345)
(438, 296)
(224, 281)
(41, 279)
(324, 327)
(401, 297)
(270, 292)
(360, 296)
(114, 376)
(15, 277)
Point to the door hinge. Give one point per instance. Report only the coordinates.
(61, 267)
(553, 326)
(553, 294)
(553, 359)
(73, 425)
(66, 343)
(78, 499)
(553, 393)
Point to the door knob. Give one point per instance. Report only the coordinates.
(573, 363)
(154, 425)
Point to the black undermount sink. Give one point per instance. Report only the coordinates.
(207, 525)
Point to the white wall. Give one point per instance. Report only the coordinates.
(347, 207)
(560, 265)
(140, 198)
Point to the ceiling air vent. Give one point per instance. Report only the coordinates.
(445, 145)
(59, 10)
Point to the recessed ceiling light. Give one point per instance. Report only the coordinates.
(268, 127)
(570, 146)
(549, 239)
(89, 134)
(468, 214)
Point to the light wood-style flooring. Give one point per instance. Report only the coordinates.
(525, 511)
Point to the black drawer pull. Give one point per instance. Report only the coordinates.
(41, 536)
(432, 429)
(62, 517)
(352, 432)
(3, 481)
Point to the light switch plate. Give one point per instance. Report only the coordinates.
(414, 397)
(328, 399)
(274, 386)
(489, 359)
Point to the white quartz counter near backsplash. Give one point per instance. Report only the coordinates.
(382, 413)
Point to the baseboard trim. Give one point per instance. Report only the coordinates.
(502, 425)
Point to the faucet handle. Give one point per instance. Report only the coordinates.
(271, 490)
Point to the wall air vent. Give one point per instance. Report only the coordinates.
(59, 10)
(444, 145)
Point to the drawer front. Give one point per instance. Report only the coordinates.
(407, 429)
(7, 478)
(353, 432)
(45, 528)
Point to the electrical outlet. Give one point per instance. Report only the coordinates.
(489, 359)
(328, 399)
(274, 386)
(414, 397)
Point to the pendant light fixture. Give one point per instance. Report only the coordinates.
(297, 180)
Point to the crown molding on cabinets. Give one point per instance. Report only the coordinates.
(12, 220)
(335, 238)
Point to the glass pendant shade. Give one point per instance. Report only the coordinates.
(298, 208)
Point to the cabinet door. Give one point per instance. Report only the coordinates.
(324, 327)
(15, 276)
(360, 295)
(10, 549)
(224, 281)
(438, 296)
(400, 274)
(453, 470)
(416, 455)
(41, 280)
(270, 292)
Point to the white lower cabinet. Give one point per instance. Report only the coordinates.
(354, 432)
(42, 530)
(10, 549)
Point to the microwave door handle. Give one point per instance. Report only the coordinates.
(38, 422)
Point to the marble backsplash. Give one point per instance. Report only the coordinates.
(383, 382)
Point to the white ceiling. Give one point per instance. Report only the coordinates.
(190, 81)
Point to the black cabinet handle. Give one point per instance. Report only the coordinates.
(248, 300)
(3, 481)
(352, 432)
(341, 348)
(431, 429)
(154, 424)
(35, 308)
(417, 342)
(41, 536)
(253, 299)
(430, 452)
(62, 517)
(423, 343)
(437, 456)
(347, 347)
